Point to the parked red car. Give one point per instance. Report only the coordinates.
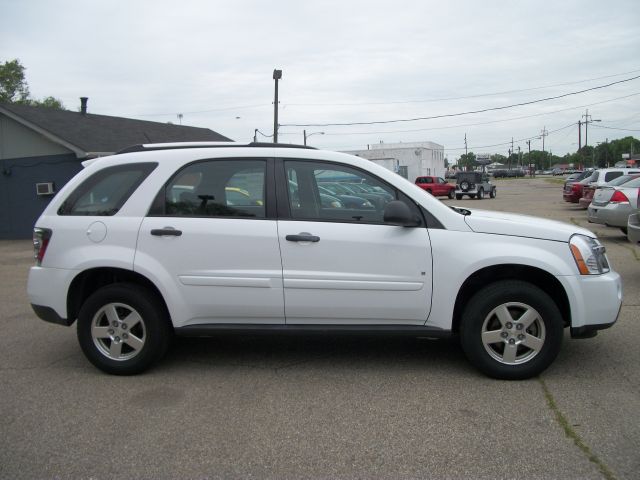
(572, 192)
(436, 186)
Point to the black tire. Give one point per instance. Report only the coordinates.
(624, 230)
(493, 193)
(458, 197)
(451, 194)
(102, 328)
(472, 195)
(480, 195)
(520, 299)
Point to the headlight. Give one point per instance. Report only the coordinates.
(589, 255)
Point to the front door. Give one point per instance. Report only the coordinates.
(342, 264)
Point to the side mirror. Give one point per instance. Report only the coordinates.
(398, 213)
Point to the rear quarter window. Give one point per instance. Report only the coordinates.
(106, 191)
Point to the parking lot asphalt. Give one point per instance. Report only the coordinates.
(322, 407)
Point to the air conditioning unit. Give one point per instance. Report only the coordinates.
(43, 189)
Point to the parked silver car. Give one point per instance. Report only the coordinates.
(612, 206)
(633, 228)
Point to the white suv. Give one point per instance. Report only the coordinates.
(205, 239)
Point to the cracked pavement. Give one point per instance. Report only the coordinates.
(321, 407)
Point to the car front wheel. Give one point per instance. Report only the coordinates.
(511, 330)
(451, 194)
(123, 329)
(492, 193)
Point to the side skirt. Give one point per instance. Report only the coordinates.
(210, 330)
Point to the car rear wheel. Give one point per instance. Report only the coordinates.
(458, 197)
(480, 194)
(492, 193)
(511, 330)
(123, 329)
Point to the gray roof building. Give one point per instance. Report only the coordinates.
(88, 134)
(41, 149)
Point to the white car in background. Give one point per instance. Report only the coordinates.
(146, 244)
(612, 205)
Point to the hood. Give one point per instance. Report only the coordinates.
(500, 223)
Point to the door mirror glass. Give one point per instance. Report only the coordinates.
(398, 213)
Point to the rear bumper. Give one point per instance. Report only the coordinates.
(47, 290)
(584, 202)
(48, 314)
(570, 197)
(616, 215)
(633, 233)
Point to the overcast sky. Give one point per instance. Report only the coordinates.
(342, 62)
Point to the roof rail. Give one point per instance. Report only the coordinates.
(147, 147)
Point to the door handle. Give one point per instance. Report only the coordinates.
(167, 231)
(303, 237)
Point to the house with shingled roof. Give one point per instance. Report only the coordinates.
(41, 149)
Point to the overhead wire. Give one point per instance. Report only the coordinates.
(470, 112)
(432, 100)
(471, 124)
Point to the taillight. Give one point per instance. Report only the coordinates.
(619, 197)
(41, 237)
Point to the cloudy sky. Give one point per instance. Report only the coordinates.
(343, 62)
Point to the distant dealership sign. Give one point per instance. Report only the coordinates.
(483, 159)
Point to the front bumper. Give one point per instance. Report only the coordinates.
(595, 300)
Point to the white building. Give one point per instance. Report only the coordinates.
(410, 160)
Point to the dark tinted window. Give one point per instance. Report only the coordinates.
(611, 175)
(215, 188)
(106, 191)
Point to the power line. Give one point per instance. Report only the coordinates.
(404, 120)
(614, 128)
(511, 141)
(402, 102)
(470, 124)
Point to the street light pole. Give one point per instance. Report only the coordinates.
(304, 132)
(277, 75)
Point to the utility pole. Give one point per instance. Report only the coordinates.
(529, 161)
(587, 120)
(255, 136)
(304, 133)
(465, 144)
(580, 141)
(519, 157)
(544, 133)
(277, 75)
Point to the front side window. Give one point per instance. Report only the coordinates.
(215, 188)
(105, 192)
(329, 192)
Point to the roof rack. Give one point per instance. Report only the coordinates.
(147, 147)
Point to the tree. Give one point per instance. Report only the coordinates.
(14, 87)
(467, 160)
(498, 158)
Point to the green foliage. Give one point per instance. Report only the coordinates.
(467, 161)
(496, 157)
(14, 87)
(49, 102)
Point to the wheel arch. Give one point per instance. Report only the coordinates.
(89, 281)
(536, 276)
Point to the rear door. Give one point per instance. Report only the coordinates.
(211, 242)
(345, 265)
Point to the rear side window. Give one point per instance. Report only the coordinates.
(106, 191)
(611, 175)
(215, 188)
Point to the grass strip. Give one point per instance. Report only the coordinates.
(573, 435)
